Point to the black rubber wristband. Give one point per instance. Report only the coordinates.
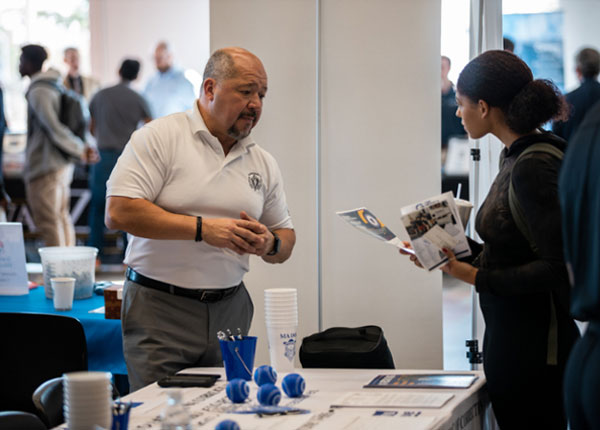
(198, 229)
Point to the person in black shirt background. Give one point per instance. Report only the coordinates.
(579, 187)
(585, 96)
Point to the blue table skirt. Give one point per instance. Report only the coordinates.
(104, 338)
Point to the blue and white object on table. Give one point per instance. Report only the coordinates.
(268, 395)
(227, 425)
(237, 390)
(265, 374)
(293, 385)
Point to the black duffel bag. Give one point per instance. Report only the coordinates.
(348, 348)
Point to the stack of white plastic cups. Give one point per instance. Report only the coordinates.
(281, 318)
(87, 400)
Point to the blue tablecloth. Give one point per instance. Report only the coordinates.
(104, 338)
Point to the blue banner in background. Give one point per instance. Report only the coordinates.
(538, 40)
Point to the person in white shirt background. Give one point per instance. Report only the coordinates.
(168, 91)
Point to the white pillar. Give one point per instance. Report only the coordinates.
(381, 149)
(486, 34)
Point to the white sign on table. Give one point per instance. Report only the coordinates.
(13, 270)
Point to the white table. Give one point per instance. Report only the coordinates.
(467, 409)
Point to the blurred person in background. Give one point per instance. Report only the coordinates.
(84, 85)
(508, 44)
(4, 198)
(587, 67)
(451, 125)
(168, 91)
(51, 153)
(115, 113)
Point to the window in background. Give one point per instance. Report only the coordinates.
(535, 27)
(54, 25)
(455, 34)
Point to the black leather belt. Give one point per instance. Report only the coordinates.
(206, 296)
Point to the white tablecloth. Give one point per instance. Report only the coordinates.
(467, 409)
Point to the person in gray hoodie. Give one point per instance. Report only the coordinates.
(52, 150)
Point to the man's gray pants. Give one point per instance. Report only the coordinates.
(163, 333)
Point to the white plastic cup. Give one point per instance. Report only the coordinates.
(464, 210)
(87, 400)
(63, 290)
(283, 342)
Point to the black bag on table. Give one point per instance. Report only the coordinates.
(347, 348)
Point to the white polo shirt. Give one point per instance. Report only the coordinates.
(175, 163)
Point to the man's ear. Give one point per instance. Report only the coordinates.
(208, 88)
(484, 108)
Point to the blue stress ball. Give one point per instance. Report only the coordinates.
(268, 395)
(228, 424)
(237, 390)
(265, 374)
(293, 385)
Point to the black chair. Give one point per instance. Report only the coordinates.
(12, 420)
(48, 399)
(36, 348)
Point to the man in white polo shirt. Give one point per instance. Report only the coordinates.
(198, 196)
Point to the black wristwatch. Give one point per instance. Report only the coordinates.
(198, 229)
(276, 244)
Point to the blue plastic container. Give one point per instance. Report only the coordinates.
(238, 357)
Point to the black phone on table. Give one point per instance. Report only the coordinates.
(189, 380)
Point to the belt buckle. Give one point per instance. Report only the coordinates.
(210, 296)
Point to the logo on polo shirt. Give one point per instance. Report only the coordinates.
(255, 180)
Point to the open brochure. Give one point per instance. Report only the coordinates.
(367, 222)
(434, 224)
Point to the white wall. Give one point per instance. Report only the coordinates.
(581, 18)
(282, 35)
(380, 140)
(131, 28)
(379, 146)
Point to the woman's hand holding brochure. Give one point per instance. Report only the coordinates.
(407, 250)
(463, 271)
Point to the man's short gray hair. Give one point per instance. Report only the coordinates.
(220, 66)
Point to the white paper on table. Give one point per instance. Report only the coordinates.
(354, 422)
(13, 269)
(373, 399)
(99, 310)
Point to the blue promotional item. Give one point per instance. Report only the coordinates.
(293, 385)
(227, 425)
(265, 374)
(237, 390)
(269, 395)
